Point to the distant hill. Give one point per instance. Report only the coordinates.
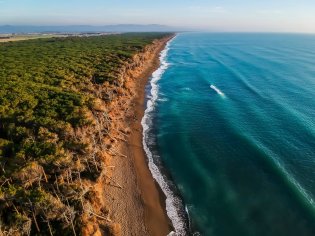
(9, 29)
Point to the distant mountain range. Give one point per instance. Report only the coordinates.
(9, 29)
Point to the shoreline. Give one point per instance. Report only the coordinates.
(156, 219)
(140, 207)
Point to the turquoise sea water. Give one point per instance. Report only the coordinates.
(241, 153)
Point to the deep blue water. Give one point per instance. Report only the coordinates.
(243, 161)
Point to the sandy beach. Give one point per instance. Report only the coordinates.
(138, 205)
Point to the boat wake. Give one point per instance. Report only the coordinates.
(218, 91)
(173, 202)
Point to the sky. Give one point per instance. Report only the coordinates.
(211, 15)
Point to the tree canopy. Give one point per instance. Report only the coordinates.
(47, 90)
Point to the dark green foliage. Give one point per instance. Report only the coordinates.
(46, 88)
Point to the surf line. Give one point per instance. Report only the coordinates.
(173, 203)
(217, 90)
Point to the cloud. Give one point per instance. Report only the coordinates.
(218, 9)
(207, 10)
(271, 12)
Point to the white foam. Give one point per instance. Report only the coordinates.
(163, 100)
(189, 221)
(217, 90)
(172, 201)
(187, 89)
(187, 211)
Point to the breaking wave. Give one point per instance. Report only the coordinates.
(173, 202)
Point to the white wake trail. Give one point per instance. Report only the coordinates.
(217, 90)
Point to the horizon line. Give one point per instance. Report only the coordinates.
(178, 29)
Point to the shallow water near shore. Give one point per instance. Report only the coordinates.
(231, 119)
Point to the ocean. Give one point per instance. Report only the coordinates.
(229, 131)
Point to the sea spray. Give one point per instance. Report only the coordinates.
(173, 202)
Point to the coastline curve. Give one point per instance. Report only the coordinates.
(173, 202)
